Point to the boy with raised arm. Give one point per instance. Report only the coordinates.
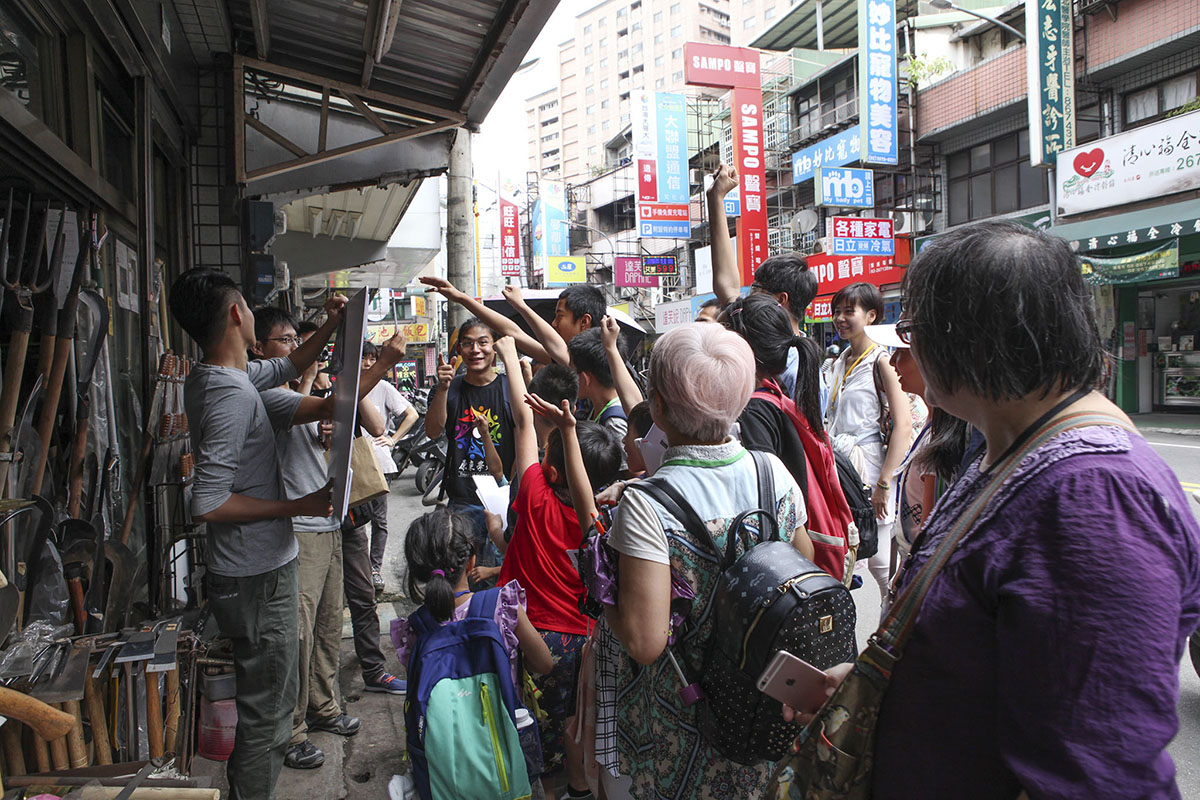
(252, 571)
(547, 527)
(786, 275)
(578, 308)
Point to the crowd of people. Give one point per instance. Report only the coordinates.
(1043, 660)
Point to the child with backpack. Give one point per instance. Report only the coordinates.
(461, 650)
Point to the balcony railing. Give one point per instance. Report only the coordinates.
(828, 120)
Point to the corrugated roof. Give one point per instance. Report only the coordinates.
(798, 27)
(456, 55)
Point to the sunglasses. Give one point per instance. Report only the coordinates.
(904, 330)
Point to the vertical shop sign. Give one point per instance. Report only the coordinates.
(877, 81)
(1050, 65)
(549, 220)
(510, 230)
(660, 148)
(737, 68)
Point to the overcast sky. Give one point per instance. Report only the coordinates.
(500, 144)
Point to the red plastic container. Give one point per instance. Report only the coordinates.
(218, 723)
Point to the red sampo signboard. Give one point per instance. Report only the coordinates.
(834, 272)
(737, 68)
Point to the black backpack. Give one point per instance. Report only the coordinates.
(858, 496)
(767, 598)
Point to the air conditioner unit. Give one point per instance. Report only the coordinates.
(905, 222)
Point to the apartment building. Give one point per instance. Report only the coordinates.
(621, 47)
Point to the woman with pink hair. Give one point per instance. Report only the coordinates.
(701, 377)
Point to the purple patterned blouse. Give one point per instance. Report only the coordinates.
(1046, 655)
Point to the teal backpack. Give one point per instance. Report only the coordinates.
(459, 714)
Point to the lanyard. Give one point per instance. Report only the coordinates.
(846, 375)
(607, 406)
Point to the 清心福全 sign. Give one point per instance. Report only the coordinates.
(844, 188)
(856, 236)
(1152, 161)
(877, 81)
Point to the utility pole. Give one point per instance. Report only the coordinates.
(460, 220)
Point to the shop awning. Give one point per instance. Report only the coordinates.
(839, 26)
(1134, 227)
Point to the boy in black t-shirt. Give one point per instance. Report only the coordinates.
(451, 408)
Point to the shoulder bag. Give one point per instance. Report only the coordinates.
(834, 753)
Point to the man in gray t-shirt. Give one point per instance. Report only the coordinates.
(237, 493)
(318, 538)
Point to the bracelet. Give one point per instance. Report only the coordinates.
(883, 485)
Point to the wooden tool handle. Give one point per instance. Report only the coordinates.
(154, 715)
(41, 753)
(76, 747)
(59, 757)
(93, 696)
(47, 722)
(10, 735)
(171, 726)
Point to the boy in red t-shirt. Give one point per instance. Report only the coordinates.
(547, 527)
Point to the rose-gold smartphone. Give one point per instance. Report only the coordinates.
(793, 681)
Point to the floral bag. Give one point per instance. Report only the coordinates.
(834, 753)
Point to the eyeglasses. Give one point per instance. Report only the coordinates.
(904, 330)
(287, 340)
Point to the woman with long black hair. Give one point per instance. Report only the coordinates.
(791, 427)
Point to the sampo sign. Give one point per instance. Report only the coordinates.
(737, 68)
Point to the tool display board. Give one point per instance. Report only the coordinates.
(347, 354)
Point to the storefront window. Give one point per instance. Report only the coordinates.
(28, 59)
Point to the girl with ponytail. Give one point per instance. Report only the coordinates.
(440, 550)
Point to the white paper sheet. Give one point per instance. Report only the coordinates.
(493, 496)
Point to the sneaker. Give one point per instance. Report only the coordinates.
(342, 725)
(386, 683)
(377, 580)
(305, 755)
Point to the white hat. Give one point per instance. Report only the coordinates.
(885, 335)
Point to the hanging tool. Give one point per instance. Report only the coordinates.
(19, 313)
(57, 370)
(168, 368)
(97, 311)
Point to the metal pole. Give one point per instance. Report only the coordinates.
(820, 16)
(460, 265)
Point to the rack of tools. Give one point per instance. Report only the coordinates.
(98, 675)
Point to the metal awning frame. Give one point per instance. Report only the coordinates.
(431, 119)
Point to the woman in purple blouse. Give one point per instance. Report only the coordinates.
(1045, 658)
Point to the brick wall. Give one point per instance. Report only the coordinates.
(1140, 24)
(963, 96)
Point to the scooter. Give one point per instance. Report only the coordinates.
(432, 455)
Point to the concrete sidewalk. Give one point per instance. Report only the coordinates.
(362, 765)
(1181, 424)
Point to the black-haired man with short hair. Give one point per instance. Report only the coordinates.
(236, 492)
